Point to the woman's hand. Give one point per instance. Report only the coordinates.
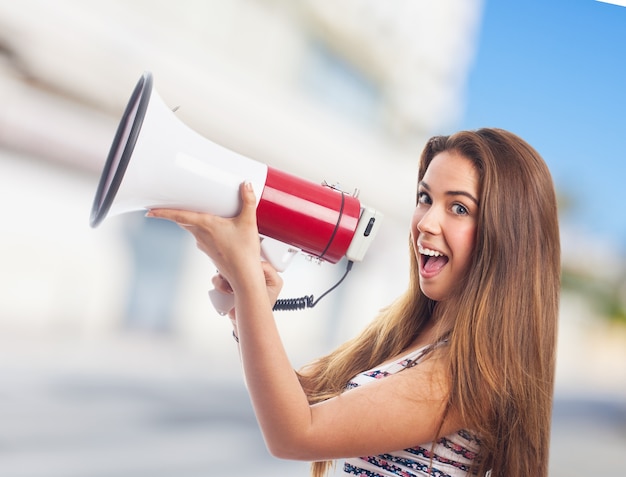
(232, 243)
(273, 283)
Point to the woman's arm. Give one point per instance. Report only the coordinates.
(399, 411)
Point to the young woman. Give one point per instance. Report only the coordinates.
(466, 354)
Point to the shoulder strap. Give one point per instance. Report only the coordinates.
(426, 351)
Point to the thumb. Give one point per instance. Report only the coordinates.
(248, 209)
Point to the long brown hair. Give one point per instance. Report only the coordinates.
(501, 353)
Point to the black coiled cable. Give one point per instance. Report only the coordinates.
(290, 304)
(301, 303)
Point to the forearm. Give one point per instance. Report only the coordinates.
(280, 404)
(234, 247)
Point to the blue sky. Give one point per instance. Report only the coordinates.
(554, 72)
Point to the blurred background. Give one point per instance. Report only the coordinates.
(112, 359)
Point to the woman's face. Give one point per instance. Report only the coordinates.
(443, 228)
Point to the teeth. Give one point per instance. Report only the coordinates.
(429, 252)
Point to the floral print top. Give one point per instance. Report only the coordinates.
(451, 456)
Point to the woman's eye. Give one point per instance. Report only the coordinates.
(423, 198)
(460, 209)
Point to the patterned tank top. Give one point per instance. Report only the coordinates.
(451, 456)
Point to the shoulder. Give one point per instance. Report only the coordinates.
(424, 378)
(402, 410)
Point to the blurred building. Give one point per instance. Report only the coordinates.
(342, 92)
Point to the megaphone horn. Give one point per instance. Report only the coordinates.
(157, 161)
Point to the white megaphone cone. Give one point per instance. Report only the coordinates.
(157, 161)
(172, 166)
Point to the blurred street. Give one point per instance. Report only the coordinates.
(137, 406)
(142, 405)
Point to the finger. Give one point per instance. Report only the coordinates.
(271, 275)
(221, 284)
(273, 281)
(181, 217)
(270, 272)
(248, 198)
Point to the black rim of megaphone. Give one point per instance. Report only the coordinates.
(105, 195)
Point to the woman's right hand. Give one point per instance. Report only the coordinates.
(273, 282)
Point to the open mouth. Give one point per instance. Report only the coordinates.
(431, 260)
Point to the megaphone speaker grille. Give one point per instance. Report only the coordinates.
(121, 149)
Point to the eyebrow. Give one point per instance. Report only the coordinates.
(452, 192)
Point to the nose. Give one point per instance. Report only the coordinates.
(430, 221)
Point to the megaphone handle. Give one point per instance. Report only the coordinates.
(273, 251)
(222, 302)
(277, 253)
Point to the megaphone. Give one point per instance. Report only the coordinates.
(173, 166)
